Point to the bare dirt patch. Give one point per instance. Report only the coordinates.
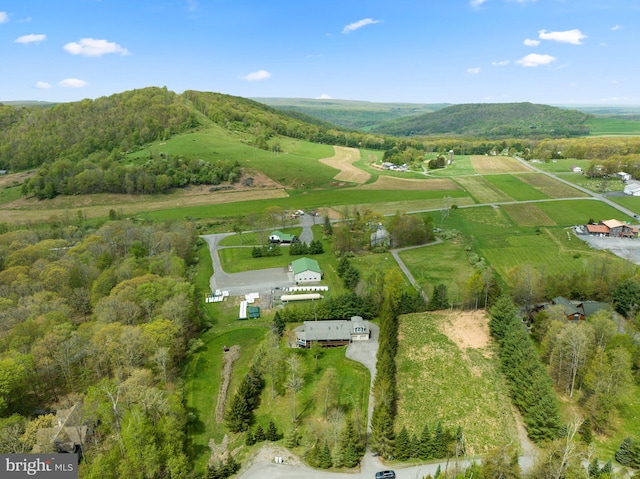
(468, 329)
(486, 165)
(229, 358)
(343, 160)
(393, 183)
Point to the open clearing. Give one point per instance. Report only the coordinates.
(551, 187)
(482, 190)
(528, 214)
(450, 374)
(15, 178)
(343, 160)
(98, 205)
(393, 183)
(487, 165)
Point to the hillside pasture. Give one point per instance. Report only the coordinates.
(599, 126)
(482, 190)
(515, 187)
(450, 372)
(343, 160)
(489, 165)
(393, 183)
(461, 166)
(528, 214)
(550, 187)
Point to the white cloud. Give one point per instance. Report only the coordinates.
(31, 38)
(4, 18)
(535, 59)
(359, 24)
(616, 27)
(574, 36)
(473, 71)
(43, 85)
(500, 63)
(73, 83)
(324, 96)
(531, 43)
(257, 76)
(90, 47)
(477, 3)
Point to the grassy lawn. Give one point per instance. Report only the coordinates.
(445, 263)
(516, 187)
(562, 166)
(253, 238)
(461, 166)
(237, 260)
(627, 425)
(444, 380)
(203, 379)
(631, 202)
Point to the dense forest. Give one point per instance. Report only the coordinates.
(492, 120)
(98, 319)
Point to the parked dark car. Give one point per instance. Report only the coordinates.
(385, 475)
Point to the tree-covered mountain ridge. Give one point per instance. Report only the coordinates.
(492, 120)
(32, 135)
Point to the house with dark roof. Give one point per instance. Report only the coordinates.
(574, 310)
(332, 332)
(67, 434)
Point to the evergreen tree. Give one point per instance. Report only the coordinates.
(260, 435)
(438, 444)
(348, 445)
(607, 470)
(343, 265)
(249, 440)
(628, 454)
(272, 433)
(403, 445)
(239, 416)
(291, 438)
(278, 325)
(328, 229)
(425, 452)
(439, 298)
(585, 431)
(594, 468)
(382, 435)
(315, 247)
(324, 460)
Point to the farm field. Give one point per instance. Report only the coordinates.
(394, 183)
(528, 214)
(343, 160)
(575, 212)
(488, 165)
(449, 371)
(631, 202)
(599, 126)
(516, 187)
(482, 190)
(461, 166)
(550, 187)
(562, 166)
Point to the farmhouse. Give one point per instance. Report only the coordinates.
(612, 228)
(573, 311)
(632, 189)
(280, 237)
(306, 270)
(329, 333)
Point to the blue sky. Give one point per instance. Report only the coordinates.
(418, 51)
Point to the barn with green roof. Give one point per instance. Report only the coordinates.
(306, 270)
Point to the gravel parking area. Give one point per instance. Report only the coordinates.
(627, 248)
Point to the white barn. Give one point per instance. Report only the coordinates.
(306, 270)
(632, 189)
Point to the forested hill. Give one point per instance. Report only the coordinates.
(109, 126)
(492, 120)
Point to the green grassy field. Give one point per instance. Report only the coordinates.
(482, 190)
(631, 202)
(600, 126)
(550, 186)
(461, 166)
(562, 166)
(9, 194)
(444, 376)
(514, 187)
(575, 212)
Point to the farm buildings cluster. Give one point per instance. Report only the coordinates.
(609, 228)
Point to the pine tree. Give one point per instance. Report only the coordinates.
(585, 431)
(415, 447)
(439, 298)
(291, 438)
(328, 229)
(426, 451)
(324, 460)
(438, 445)
(278, 325)
(249, 440)
(594, 468)
(607, 469)
(259, 435)
(382, 435)
(272, 432)
(348, 445)
(403, 445)
(627, 453)
(239, 416)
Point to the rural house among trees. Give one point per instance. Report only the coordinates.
(330, 333)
